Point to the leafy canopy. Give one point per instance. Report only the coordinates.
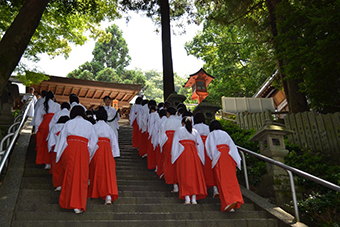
(62, 23)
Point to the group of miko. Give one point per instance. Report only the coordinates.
(186, 152)
(78, 149)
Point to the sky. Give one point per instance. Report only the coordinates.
(144, 46)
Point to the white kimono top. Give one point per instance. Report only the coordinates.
(202, 129)
(219, 137)
(155, 140)
(104, 130)
(183, 134)
(30, 107)
(134, 112)
(111, 113)
(53, 107)
(171, 123)
(57, 115)
(37, 104)
(153, 118)
(77, 127)
(77, 104)
(52, 137)
(142, 118)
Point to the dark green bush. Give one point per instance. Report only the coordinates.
(319, 205)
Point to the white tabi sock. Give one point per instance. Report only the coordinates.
(215, 190)
(187, 198)
(193, 199)
(175, 188)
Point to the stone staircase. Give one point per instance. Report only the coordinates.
(144, 200)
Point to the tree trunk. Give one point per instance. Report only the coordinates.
(168, 74)
(297, 101)
(17, 37)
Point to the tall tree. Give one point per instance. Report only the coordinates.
(162, 11)
(310, 49)
(258, 17)
(112, 53)
(63, 21)
(18, 35)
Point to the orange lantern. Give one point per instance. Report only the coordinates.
(199, 82)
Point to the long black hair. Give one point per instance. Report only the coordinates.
(63, 119)
(48, 96)
(215, 125)
(101, 114)
(77, 111)
(199, 118)
(187, 123)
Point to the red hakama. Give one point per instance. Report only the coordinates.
(43, 156)
(160, 161)
(207, 170)
(226, 180)
(151, 155)
(75, 162)
(135, 134)
(103, 180)
(143, 145)
(170, 174)
(56, 169)
(190, 173)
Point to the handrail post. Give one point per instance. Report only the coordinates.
(245, 169)
(292, 186)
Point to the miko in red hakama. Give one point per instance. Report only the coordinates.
(152, 162)
(103, 180)
(207, 169)
(75, 162)
(43, 156)
(143, 143)
(160, 162)
(227, 183)
(170, 174)
(190, 173)
(135, 134)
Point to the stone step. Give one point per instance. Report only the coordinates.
(161, 194)
(152, 223)
(96, 205)
(54, 198)
(144, 200)
(49, 186)
(174, 215)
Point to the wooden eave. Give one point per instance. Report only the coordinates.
(90, 93)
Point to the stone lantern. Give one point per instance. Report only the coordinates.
(276, 182)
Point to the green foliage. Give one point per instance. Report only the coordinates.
(28, 77)
(108, 75)
(63, 22)
(113, 53)
(154, 86)
(239, 60)
(319, 205)
(310, 49)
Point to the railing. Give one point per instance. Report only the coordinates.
(289, 170)
(8, 141)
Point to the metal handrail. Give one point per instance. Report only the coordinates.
(10, 129)
(15, 136)
(289, 170)
(4, 139)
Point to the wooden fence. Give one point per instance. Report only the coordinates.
(319, 132)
